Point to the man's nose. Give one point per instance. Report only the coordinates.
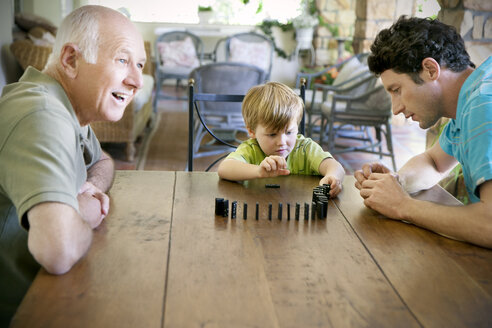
(135, 78)
(397, 107)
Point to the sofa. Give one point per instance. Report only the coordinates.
(138, 114)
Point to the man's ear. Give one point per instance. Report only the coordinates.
(431, 69)
(251, 133)
(69, 57)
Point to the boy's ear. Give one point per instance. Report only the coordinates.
(251, 133)
(69, 56)
(431, 69)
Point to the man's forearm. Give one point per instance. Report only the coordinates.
(419, 173)
(101, 174)
(471, 223)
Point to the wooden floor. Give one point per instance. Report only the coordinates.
(166, 148)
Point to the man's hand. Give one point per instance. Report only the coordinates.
(335, 184)
(383, 193)
(273, 166)
(93, 204)
(364, 174)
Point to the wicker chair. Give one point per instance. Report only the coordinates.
(134, 120)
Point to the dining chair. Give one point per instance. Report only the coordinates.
(216, 91)
(177, 53)
(249, 48)
(354, 116)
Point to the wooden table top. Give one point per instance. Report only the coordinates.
(163, 259)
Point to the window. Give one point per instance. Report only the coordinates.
(232, 12)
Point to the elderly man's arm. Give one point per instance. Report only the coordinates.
(58, 236)
(101, 174)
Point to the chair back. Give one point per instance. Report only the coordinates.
(249, 48)
(225, 78)
(178, 49)
(216, 92)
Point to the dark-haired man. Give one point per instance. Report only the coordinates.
(424, 66)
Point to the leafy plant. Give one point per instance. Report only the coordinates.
(266, 27)
(204, 8)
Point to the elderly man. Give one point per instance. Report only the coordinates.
(53, 173)
(424, 66)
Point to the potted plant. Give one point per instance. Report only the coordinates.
(304, 25)
(205, 13)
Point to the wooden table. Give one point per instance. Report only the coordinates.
(163, 259)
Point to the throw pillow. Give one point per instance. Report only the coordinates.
(350, 69)
(28, 21)
(180, 53)
(379, 100)
(28, 54)
(253, 53)
(41, 37)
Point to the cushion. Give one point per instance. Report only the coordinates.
(350, 69)
(144, 94)
(28, 21)
(28, 54)
(253, 53)
(380, 99)
(41, 37)
(181, 53)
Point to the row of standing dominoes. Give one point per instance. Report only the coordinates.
(319, 206)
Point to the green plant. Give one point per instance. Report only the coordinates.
(204, 8)
(266, 27)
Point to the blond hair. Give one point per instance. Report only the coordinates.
(273, 105)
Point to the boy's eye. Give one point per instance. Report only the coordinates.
(272, 134)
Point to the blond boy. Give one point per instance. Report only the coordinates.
(272, 113)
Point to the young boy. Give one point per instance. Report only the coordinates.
(272, 113)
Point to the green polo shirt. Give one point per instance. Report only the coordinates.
(305, 158)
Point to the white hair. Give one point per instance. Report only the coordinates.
(80, 27)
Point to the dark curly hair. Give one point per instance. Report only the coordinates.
(404, 45)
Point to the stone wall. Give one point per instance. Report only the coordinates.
(339, 14)
(473, 20)
(375, 15)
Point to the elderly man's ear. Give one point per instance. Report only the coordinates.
(70, 54)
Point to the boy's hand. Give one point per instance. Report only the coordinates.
(273, 166)
(335, 184)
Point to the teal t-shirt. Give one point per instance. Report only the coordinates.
(468, 138)
(44, 157)
(305, 158)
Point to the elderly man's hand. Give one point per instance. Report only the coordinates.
(93, 204)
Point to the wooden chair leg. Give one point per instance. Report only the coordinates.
(130, 151)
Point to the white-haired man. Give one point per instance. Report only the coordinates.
(53, 173)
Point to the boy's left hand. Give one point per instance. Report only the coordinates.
(335, 184)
